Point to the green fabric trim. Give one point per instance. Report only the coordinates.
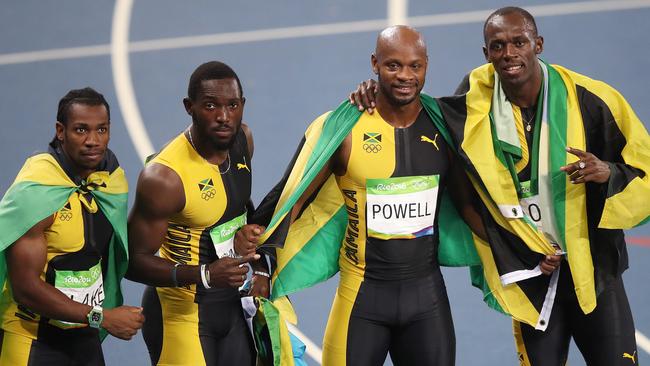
(557, 106)
(456, 242)
(478, 280)
(317, 261)
(273, 321)
(336, 127)
(27, 203)
(645, 221)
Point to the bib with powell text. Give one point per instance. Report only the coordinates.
(401, 207)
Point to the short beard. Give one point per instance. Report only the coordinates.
(391, 98)
(223, 146)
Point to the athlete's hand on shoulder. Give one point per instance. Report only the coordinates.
(588, 169)
(364, 96)
(247, 238)
(123, 321)
(230, 272)
(260, 286)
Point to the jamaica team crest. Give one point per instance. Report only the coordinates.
(207, 189)
(372, 142)
(65, 213)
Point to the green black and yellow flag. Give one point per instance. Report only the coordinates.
(569, 105)
(307, 251)
(42, 187)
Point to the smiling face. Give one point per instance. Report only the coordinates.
(84, 136)
(512, 46)
(217, 111)
(400, 62)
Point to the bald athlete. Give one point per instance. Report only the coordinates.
(391, 296)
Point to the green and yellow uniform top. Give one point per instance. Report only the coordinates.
(391, 192)
(80, 241)
(215, 207)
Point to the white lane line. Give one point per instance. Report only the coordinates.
(122, 79)
(642, 342)
(398, 12)
(259, 35)
(315, 30)
(55, 54)
(312, 350)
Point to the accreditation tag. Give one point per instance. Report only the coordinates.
(401, 207)
(223, 236)
(86, 287)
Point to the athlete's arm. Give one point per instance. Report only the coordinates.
(26, 259)
(159, 195)
(337, 164)
(250, 234)
(463, 195)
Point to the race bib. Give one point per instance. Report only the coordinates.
(402, 207)
(86, 287)
(533, 209)
(530, 204)
(223, 236)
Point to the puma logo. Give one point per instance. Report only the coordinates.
(241, 166)
(631, 357)
(426, 139)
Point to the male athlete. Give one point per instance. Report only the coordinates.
(390, 170)
(577, 159)
(63, 224)
(191, 206)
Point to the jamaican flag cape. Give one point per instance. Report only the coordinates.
(574, 111)
(307, 251)
(42, 187)
(275, 344)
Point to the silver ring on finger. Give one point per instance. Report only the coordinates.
(582, 164)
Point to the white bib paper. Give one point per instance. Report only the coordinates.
(86, 287)
(402, 207)
(223, 236)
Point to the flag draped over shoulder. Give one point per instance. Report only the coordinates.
(276, 346)
(474, 123)
(42, 187)
(307, 251)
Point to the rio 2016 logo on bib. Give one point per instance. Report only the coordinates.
(402, 207)
(223, 236)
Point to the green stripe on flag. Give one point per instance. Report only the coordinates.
(318, 255)
(557, 105)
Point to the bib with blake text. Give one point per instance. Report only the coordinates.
(86, 287)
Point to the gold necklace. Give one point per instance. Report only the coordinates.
(528, 122)
(189, 132)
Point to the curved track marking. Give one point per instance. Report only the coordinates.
(122, 79)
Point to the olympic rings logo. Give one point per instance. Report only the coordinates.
(372, 148)
(207, 195)
(65, 216)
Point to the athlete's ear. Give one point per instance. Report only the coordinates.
(60, 128)
(243, 101)
(374, 64)
(539, 44)
(187, 102)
